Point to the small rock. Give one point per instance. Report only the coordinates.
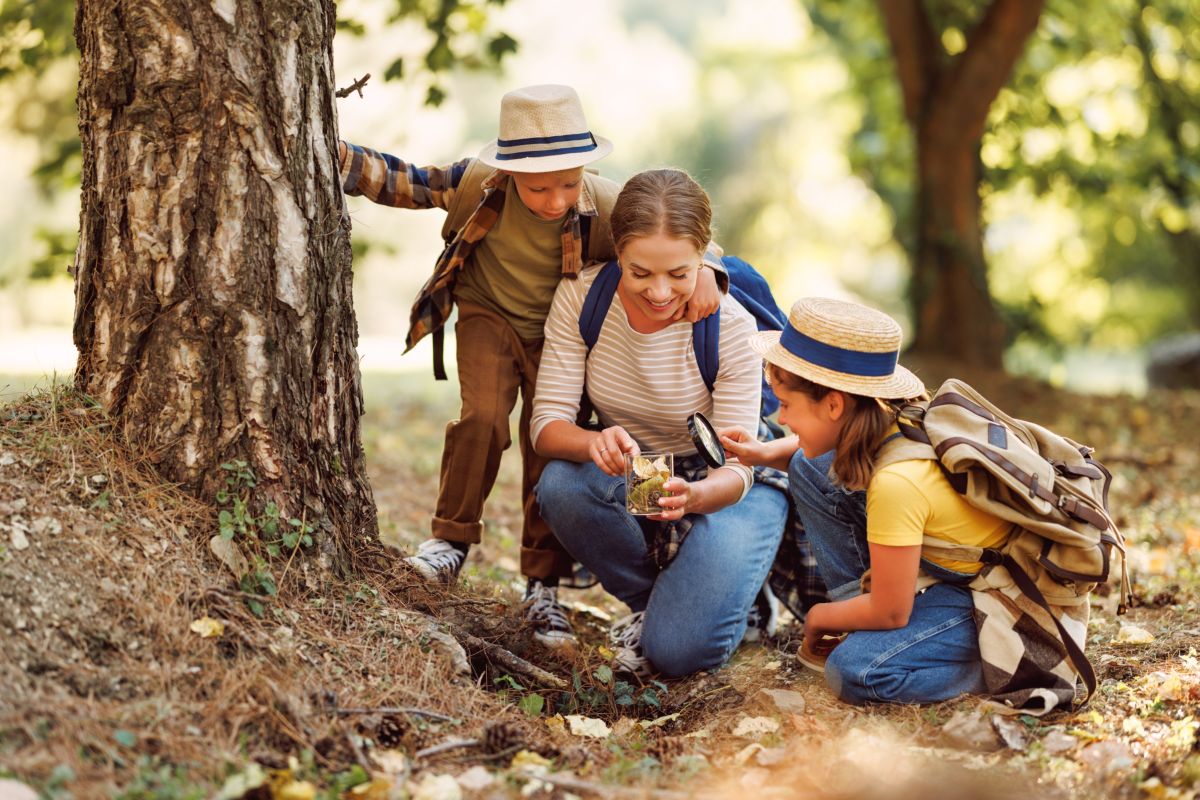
(48, 525)
(1107, 757)
(7, 458)
(15, 790)
(19, 540)
(754, 727)
(1133, 634)
(1014, 735)
(786, 700)
(476, 779)
(1058, 741)
(971, 731)
(771, 756)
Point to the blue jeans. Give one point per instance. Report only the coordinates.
(696, 608)
(935, 656)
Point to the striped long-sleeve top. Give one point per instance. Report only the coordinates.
(648, 383)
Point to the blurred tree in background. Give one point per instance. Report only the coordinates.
(1099, 118)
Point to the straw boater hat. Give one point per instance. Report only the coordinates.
(542, 129)
(841, 345)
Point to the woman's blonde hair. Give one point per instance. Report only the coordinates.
(867, 423)
(662, 201)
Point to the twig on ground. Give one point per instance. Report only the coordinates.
(451, 744)
(510, 660)
(345, 712)
(354, 87)
(580, 785)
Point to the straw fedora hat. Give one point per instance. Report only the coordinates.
(841, 345)
(542, 129)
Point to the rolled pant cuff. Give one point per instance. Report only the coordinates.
(541, 564)
(461, 532)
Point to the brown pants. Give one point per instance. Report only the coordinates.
(494, 364)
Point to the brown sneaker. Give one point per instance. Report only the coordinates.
(815, 658)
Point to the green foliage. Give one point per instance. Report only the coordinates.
(461, 39)
(156, 780)
(603, 693)
(263, 536)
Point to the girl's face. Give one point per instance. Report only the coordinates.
(817, 423)
(658, 277)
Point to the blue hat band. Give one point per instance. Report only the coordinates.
(838, 359)
(543, 146)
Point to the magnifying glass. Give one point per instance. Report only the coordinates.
(704, 436)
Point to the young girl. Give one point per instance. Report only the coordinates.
(911, 631)
(642, 378)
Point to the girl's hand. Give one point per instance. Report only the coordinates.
(705, 299)
(675, 504)
(815, 632)
(743, 445)
(608, 449)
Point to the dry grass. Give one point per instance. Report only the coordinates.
(105, 683)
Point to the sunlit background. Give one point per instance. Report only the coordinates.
(788, 114)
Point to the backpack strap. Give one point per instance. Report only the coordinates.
(1029, 588)
(706, 333)
(467, 196)
(597, 302)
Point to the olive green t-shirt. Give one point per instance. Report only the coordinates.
(515, 269)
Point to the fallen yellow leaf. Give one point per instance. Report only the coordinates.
(529, 760)
(207, 627)
(295, 790)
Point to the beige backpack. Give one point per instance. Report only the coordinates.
(1031, 597)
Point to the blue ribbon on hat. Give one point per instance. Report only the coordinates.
(838, 359)
(510, 149)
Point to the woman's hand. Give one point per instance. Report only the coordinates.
(675, 504)
(705, 299)
(608, 449)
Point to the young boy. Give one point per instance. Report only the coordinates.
(520, 217)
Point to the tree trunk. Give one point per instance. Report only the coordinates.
(954, 314)
(946, 102)
(213, 310)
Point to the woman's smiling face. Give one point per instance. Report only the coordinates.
(658, 277)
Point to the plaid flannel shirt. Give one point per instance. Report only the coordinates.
(793, 578)
(390, 181)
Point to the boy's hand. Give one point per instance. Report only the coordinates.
(706, 299)
(674, 505)
(743, 445)
(608, 449)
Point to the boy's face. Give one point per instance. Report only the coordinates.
(549, 195)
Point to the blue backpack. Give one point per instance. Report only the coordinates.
(746, 286)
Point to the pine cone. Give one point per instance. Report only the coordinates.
(499, 736)
(390, 731)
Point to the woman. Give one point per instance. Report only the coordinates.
(641, 378)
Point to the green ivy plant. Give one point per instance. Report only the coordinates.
(263, 536)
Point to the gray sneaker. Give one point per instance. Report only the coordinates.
(626, 637)
(550, 624)
(437, 560)
(763, 619)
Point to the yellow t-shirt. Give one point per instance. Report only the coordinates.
(909, 499)
(515, 269)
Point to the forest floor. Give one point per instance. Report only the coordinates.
(134, 665)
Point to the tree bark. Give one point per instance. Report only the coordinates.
(213, 312)
(946, 103)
